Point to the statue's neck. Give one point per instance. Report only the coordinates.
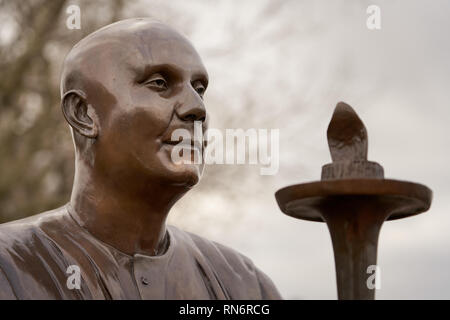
(132, 222)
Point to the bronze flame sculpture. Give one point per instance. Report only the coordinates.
(354, 200)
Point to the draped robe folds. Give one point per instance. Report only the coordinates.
(36, 255)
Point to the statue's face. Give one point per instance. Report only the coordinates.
(150, 86)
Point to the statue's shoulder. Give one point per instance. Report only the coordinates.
(26, 248)
(23, 232)
(231, 264)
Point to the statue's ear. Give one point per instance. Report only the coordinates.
(79, 114)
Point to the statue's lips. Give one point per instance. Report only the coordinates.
(187, 141)
(186, 144)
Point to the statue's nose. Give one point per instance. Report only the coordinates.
(191, 107)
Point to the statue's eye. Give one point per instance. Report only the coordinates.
(157, 82)
(199, 87)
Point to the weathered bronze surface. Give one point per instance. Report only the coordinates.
(125, 88)
(354, 200)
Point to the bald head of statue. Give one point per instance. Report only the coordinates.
(125, 88)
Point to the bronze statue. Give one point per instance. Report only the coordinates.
(125, 88)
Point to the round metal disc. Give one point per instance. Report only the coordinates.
(304, 201)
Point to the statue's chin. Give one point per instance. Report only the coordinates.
(191, 175)
(178, 172)
(187, 175)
